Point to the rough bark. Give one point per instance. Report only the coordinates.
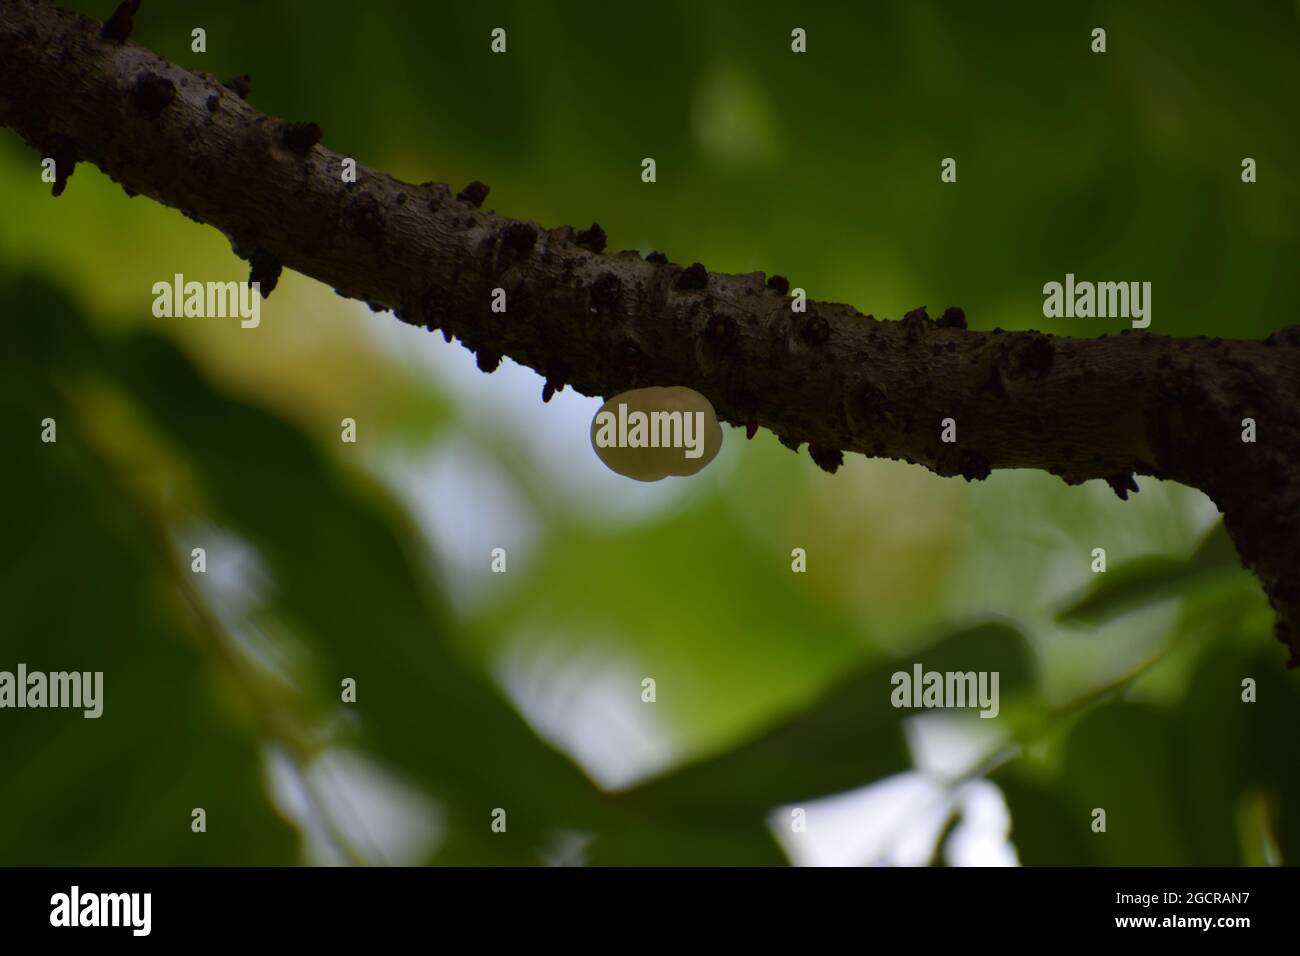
(833, 378)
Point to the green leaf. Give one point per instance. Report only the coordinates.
(345, 583)
(1045, 828)
(1143, 580)
(849, 737)
(1176, 784)
(1267, 742)
(82, 591)
(340, 580)
(1120, 757)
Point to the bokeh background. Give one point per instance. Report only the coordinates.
(523, 691)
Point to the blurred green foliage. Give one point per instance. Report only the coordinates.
(1121, 691)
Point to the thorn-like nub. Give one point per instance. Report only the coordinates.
(264, 269)
(694, 276)
(117, 28)
(474, 193)
(241, 85)
(593, 238)
(828, 459)
(152, 93)
(300, 137)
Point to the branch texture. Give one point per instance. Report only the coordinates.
(833, 378)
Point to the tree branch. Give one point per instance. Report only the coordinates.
(833, 378)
